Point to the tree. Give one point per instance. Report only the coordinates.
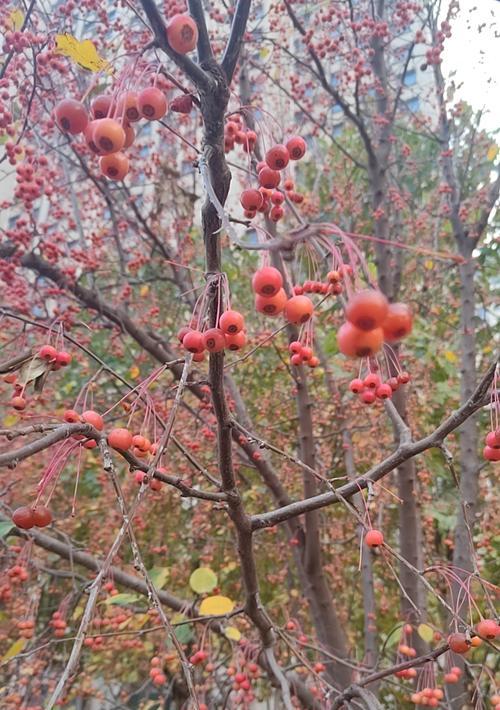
(246, 499)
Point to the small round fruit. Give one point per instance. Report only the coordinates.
(267, 281)
(298, 309)
(182, 33)
(23, 517)
(108, 136)
(101, 106)
(18, 403)
(458, 643)
(367, 309)
(277, 157)
(296, 147)
(357, 385)
(63, 358)
(193, 342)
(368, 396)
(231, 322)
(114, 166)
(42, 516)
(491, 454)
(277, 212)
(493, 439)
(372, 381)
(272, 305)
(269, 178)
(128, 107)
(251, 200)
(120, 439)
(488, 628)
(214, 340)
(398, 322)
(48, 353)
(374, 538)
(354, 342)
(71, 116)
(236, 341)
(152, 103)
(71, 416)
(384, 391)
(92, 417)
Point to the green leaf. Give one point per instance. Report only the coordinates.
(5, 527)
(123, 599)
(159, 576)
(203, 580)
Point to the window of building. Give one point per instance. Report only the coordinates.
(410, 77)
(413, 104)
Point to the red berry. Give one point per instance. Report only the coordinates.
(272, 305)
(71, 116)
(114, 166)
(367, 309)
(295, 347)
(23, 517)
(277, 157)
(488, 628)
(120, 439)
(354, 342)
(384, 391)
(368, 396)
(267, 281)
(193, 341)
(298, 309)
(493, 439)
(236, 341)
(403, 378)
(296, 147)
(372, 381)
(214, 340)
(152, 103)
(374, 538)
(182, 33)
(42, 516)
(231, 322)
(491, 454)
(356, 385)
(276, 213)
(458, 643)
(47, 352)
(63, 358)
(269, 178)
(398, 322)
(18, 403)
(251, 199)
(71, 416)
(91, 417)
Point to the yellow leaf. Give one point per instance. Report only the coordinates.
(77, 613)
(144, 290)
(83, 53)
(203, 580)
(492, 152)
(10, 420)
(429, 264)
(134, 372)
(450, 356)
(232, 633)
(15, 20)
(216, 606)
(425, 632)
(16, 648)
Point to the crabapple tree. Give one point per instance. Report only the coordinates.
(250, 410)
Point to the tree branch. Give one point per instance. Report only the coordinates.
(233, 47)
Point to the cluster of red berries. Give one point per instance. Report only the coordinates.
(302, 354)
(427, 696)
(267, 198)
(156, 674)
(491, 451)
(16, 41)
(271, 299)
(371, 387)
(18, 574)
(333, 283)
(371, 320)
(58, 624)
(56, 358)
(108, 130)
(27, 518)
(230, 335)
(242, 679)
(26, 628)
(30, 185)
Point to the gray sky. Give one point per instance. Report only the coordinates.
(473, 53)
